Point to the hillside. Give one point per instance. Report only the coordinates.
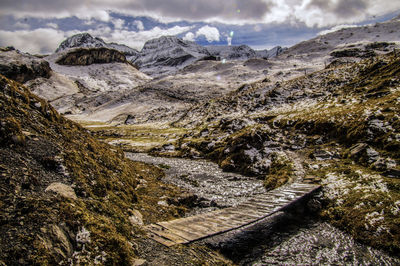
(338, 127)
(66, 198)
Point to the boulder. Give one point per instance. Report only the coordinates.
(136, 218)
(62, 190)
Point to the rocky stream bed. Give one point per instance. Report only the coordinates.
(286, 238)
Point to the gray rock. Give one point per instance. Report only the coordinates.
(379, 165)
(372, 155)
(322, 155)
(357, 150)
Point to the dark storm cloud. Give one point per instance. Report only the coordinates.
(181, 9)
(40, 6)
(206, 9)
(348, 8)
(341, 8)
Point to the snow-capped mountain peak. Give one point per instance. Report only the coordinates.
(88, 41)
(81, 40)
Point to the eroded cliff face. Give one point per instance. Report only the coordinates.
(22, 67)
(89, 56)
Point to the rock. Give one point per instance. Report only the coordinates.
(136, 218)
(379, 165)
(162, 203)
(322, 155)
(356, 150)
(372, 155)
(187, 199)
(62, 190)
(138, 262)
(88, 56)
(56, 241)
(376, 126)
(393, 173)
(364, 154)
(23, 67)
(168, 148)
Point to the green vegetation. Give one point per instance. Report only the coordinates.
(136, 138)
(279, 173)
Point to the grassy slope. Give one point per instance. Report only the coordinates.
(39, 147)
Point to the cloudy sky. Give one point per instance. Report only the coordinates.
(38, 26)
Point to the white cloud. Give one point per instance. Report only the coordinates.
(137, 39)
(37, 41)
(118, 23)
(22, 26)
(211, 33)
(319, 13)
(139, 25)
(52, 25)
(189, 37)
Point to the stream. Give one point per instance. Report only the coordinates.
(283, 239)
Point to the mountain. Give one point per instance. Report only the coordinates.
(273, 52)
(168, 54)
(241, 52)
(86, 40)
(346, 38)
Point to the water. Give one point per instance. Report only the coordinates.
(205, 179)
(284, 239)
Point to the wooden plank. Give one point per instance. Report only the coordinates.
(253, 215)
(165, 234)
(182, 232)
(260, 208)
(233, 212)
(232, 221)
(218, 226)
(164, 241)
(188, 229)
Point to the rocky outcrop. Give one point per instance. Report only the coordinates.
(85, 40)
(88, 56)
(22, 67)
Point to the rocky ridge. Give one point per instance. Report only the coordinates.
(22, 67)
(85, 40)
(89, 56)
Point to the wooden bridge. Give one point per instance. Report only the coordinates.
(189, 229)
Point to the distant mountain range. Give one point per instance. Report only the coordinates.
(168, 54)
